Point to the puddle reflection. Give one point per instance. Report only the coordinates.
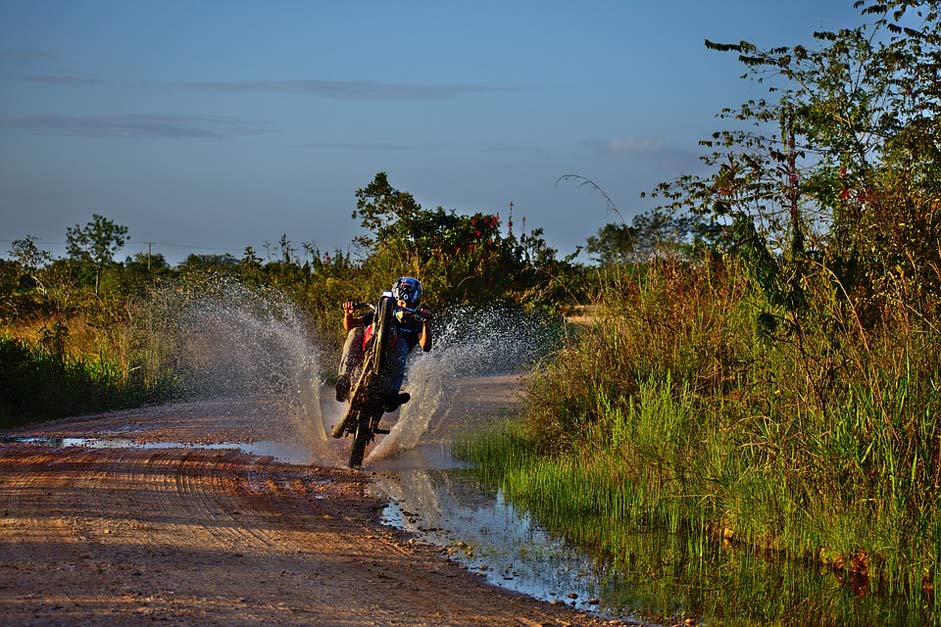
(476, 527)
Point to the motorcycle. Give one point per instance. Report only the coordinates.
(367, 393)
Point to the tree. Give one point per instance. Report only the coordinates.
(613, 244)
(31, 258)
(147, 262)
(287, 251)
(95, 244)
(211, 262)
(650, 234)
(381, 209)
(841, 160)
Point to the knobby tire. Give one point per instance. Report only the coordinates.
(360, 440)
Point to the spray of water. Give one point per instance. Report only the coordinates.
(228, 340)
(472, 342)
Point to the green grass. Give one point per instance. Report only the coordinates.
(42, 383)
(674, 414)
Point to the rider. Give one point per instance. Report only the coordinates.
(411, 330)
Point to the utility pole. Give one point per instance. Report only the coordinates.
(149, 244)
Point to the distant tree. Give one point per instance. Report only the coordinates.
(95, 244)
(224, 262)
(650, 234)
(250, 258)
(31, 259)
(613, 244)
(310, 251)
(250, 265)
(287, 251)
(155, 262)
(381, 208)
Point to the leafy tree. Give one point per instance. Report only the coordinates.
(287, 251)
(383, 210)
(31, 258)
(154, 262)
(650, 234)
(95, 244)
(224, 263)
(840, 162)
(613, 244)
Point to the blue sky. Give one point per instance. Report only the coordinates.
(208, 126)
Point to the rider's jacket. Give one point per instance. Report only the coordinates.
(408, 329)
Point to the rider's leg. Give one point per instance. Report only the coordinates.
(395, 376)
(351, 358)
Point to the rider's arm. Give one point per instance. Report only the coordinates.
(350, 321)
(424, 338)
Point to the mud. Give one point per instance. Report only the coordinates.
(95, 535)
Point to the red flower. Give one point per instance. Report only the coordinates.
(476, 234)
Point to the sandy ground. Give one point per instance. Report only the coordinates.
(92, 536)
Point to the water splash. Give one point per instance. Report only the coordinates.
(472, 342)
(229, 340)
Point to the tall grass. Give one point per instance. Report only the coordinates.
(43, 382)
(674, 410)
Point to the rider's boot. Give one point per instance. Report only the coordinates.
(393, 400)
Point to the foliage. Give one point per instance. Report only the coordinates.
(651, 234)
(41, 380)
(820, 451)
(461, 259)
(782, 390)
(839, 165)
(95, 244)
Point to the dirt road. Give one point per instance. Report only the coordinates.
(93, 536)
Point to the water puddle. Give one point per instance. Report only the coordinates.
(286, 452)
(478, 529)
(660, 577)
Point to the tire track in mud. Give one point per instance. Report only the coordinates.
(219, 537)
(48, 539)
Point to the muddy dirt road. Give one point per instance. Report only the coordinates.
(94, 536)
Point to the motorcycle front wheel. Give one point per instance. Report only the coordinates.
(360, 439)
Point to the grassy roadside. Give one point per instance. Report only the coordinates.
(42, 382)
(675, 411)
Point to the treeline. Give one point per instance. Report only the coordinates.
(88, 313)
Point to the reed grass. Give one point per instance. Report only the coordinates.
(673, 411)
(42, 383)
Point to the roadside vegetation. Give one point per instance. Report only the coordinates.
(87, 333)
(776, 384)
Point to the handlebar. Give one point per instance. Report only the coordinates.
(372, 307)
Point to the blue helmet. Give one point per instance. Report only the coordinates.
(408, 290)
